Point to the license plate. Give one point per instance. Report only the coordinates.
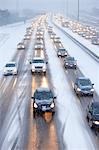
(43, 107)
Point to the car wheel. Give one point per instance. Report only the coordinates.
(44, 73)
(32, 72)
(90, 123)
(87, 118)
(92, 95)
(34, 114)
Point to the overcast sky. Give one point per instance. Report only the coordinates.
(47, 4)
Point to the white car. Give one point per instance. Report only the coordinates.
(56, 40)
(39, 46)
(20, 46)
(27, 37)
(11, 68)
(38, 64)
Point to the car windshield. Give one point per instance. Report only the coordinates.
(38, 61)
(85, 82)
(10, 65)
(70, 59)
(43, 95)
(62, 50)
(96, 111)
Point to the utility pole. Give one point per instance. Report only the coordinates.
(67, 8)
(78, 11)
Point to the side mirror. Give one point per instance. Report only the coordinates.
(46, 62)
(32, 97)
(92, 83)
(55, 97)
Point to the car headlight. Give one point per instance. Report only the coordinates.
(92, 90)
(96, 122)
(66, 63)
(35, 105)
(78, 89)
(15, 70)
(5, 70)
(33, 67)
(44, 67)
(52, 105)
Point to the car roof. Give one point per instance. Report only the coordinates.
(95, 104)
(40, 89)
(11, 62)
(81, 78)
(38, 58)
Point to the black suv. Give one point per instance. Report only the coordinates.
(83, 86)
(70, 62)
(93, 115)
(43, 101)
(61, 52)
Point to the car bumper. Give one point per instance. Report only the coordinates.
(70, 66)
(10, 73)
(85, 93)
(41, 110)
(38, 71)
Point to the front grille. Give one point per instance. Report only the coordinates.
(38, 67)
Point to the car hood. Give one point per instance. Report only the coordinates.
(44, 101)
(86, 87)
(95, 117)
(10, 68)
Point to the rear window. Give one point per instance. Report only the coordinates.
(10, 65)
(38, 61)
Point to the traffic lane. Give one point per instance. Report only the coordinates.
(8, 91)
(15, 128)
(71, 75)
(43, 134)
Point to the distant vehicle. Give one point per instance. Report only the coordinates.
(39, 46)
(95, 40)
(20, 46)
(65, 24)
(40, 33)
(39, 41)
(38, 64)
(61, 52)
(43, 101)
(27, 37)
(56, 39)
(83, 86)
(70, 62)
(40, 37)
(93, 115)
(52, 35)
(11, 68)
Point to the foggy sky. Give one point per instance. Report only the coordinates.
(47, 4)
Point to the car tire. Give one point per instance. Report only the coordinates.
(34, 114)
(44, 73)
(90, 124)
(32, 72)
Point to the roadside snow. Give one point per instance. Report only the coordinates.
(83, 41)
(88, 66)
(10, 36)
(75, 133)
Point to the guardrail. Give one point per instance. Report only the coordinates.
(92, 54)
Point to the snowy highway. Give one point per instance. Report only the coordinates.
(68, 128)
